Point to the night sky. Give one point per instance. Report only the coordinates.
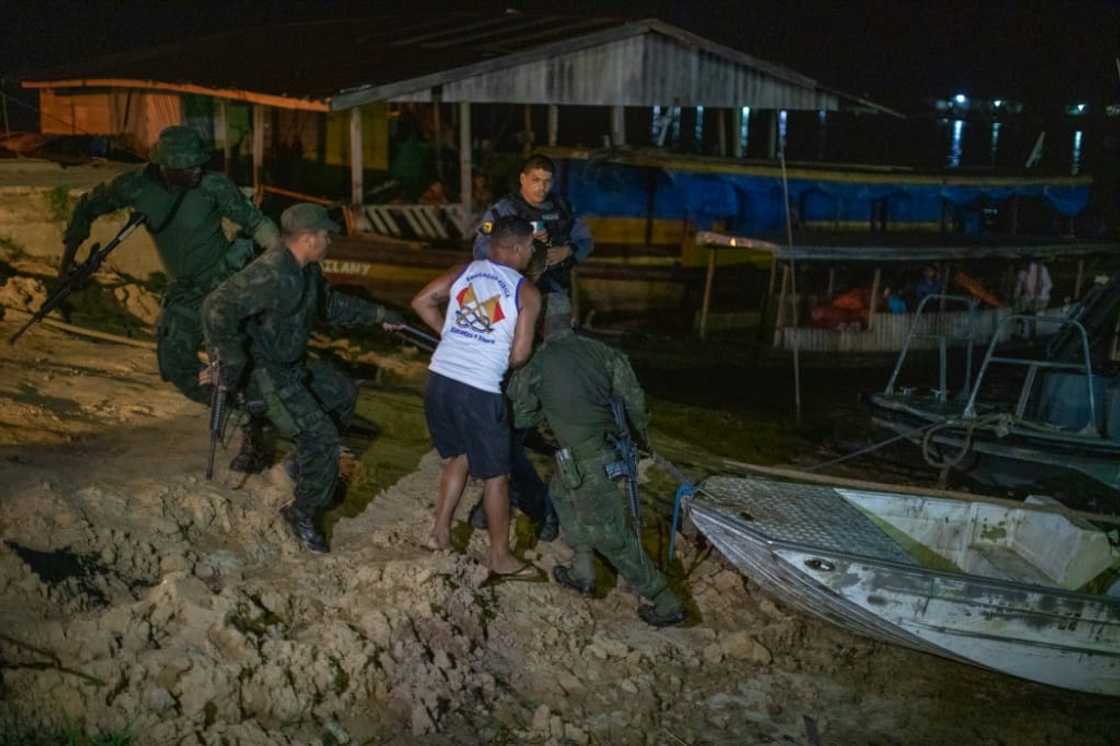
(899, 53)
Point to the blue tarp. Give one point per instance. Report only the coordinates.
(751, 204)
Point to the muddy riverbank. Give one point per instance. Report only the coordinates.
(136, 598)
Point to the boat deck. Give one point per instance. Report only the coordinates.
(805, 514)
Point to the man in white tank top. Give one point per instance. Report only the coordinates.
(487, 330)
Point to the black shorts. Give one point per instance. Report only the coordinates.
(463, 419)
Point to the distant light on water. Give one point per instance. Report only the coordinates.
(1076, 166)
(997, 103)
(655, 126)
(698, 130)
(955, 145)
(995, 140)
(676, 119)
(782, 127)
(961, 99)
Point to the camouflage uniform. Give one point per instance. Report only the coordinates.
(276, 302)
(187, 230)
(570, 382)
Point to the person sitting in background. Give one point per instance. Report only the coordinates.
(893, 302)
(929, 284)
(1032, 293)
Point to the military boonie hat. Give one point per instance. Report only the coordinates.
(180, 147)
(307, 217)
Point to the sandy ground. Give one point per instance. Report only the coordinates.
(135, 595)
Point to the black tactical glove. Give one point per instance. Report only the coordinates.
(229, 376)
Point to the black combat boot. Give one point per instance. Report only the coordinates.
(550, 526)
(291, 465)
(565, 577)
(302, 525)
(252, 454)
(665, 611)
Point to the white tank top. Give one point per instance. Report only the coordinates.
(478, 330)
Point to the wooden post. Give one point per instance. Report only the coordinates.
(1080, 277)
(736, 129)
(780, 321)
(553, 123)
(618, 126)
(721, 131)
(437, 130)
(357, 188)
(465, 159)
(258, 147)
(223, 128)
(874, 297)
(772, 134)
(831, 282)
(530, 136)
(708, 280)
(7, 124)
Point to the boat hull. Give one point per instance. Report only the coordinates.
(1064, 639)
(1016, 460)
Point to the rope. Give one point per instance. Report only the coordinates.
(686, 490)
(874, 447)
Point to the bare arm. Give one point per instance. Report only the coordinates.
(428, 303)
(530, 300)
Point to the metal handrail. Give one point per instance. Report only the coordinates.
(1034, 365)
(941, 342)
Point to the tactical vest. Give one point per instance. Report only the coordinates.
(557, 218)
(558, 221)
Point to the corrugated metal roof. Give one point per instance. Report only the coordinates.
(509, 58)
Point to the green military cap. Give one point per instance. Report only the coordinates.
(307, 217)
(180, 147)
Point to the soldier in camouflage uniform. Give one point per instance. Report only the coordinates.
(570, 382)
(259, 321)
(184, 208)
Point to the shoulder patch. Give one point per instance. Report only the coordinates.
(486, 227)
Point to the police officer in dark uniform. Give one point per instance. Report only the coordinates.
(561, 241)
(564, 239)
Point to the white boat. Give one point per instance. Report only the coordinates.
(1027, 591)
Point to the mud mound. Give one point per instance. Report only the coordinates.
(23, 294)
(136, 596)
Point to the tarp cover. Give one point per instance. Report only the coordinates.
(752, 205)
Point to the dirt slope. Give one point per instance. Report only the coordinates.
(135, 595)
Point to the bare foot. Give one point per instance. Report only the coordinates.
(505, 565)
(438, 540)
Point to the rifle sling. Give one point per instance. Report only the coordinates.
(171, 214)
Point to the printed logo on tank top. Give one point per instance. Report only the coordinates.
(475, 318)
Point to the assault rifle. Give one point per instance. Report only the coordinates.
(79, 276)
(217, 413)
(415, 336)
(627, 464)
